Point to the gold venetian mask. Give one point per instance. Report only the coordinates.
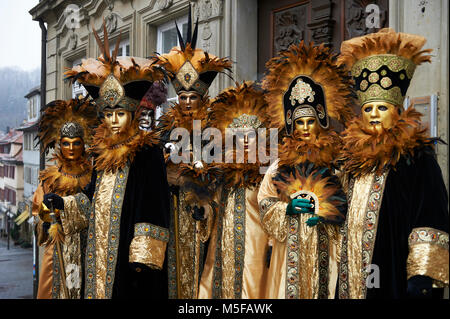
(378, 115)
(306, 128)
(189, 100)
(72, 148)
(118, 120)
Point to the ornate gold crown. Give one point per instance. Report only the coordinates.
(383, 64)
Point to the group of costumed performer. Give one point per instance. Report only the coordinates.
(333, 208)
(126, 201)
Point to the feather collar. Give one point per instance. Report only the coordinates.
(322, 152)
(114, 151)
(66, 177)
(366, 151)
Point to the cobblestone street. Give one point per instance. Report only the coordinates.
(16, 271)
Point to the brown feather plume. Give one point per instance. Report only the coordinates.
(319, 64)
(385, 41)
(59, 112)
(126, 69)
(200, 60)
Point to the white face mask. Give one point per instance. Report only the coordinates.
(145, 120)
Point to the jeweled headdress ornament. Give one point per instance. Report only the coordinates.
(383, 63)
(116, 82)
(305, 81)
(189, 68)
(241, 106)
(72, 118)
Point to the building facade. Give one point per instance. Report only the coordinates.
(249, 32)
(11, 174)
(31, 158)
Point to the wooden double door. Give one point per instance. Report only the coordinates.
(285, 22)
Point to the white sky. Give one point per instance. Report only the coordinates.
(20, 36)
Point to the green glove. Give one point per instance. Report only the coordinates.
(313, 221)
(299, 206)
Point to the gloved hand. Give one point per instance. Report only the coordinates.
(299, 206)
(313, 221)
(56, 200)
(198, 164)
(420, 287)
(199, 213)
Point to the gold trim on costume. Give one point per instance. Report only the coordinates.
(428, 255)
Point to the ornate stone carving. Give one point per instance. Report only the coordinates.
(356, 15)
(73, 40)
(289, 27)
(164, 4)
(207, 9)
(206, 36)
(111, 22)
(322, 24)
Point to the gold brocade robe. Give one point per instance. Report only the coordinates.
(186, 249)
(73, 249)
(304, 259)
(235, 265)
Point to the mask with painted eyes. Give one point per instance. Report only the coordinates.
(379, 115)
(146, 119)
(189, 100)
(118, 120)
(306, 128)
(72, 148)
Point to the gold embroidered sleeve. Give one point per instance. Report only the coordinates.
(428, 255)
(149, 245)
(74, 217)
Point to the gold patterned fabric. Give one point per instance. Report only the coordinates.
(235, 265)
(148, 251)
(185, 259)
(102, 204)
(295, 271)
(355, 218)
(428, 255)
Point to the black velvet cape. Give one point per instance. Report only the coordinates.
(146, 200)
(414, 196)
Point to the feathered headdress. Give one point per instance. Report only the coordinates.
(189, 68)
(383, 64)
(305, 81)
(113, 81)
(72, 118)
(240, 107)
(155, 96)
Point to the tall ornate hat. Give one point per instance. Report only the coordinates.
(189, 68)
(242, 106)
(383, 63)
(155, 96)
(72, 118)
(305, 81)
(115, 82)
